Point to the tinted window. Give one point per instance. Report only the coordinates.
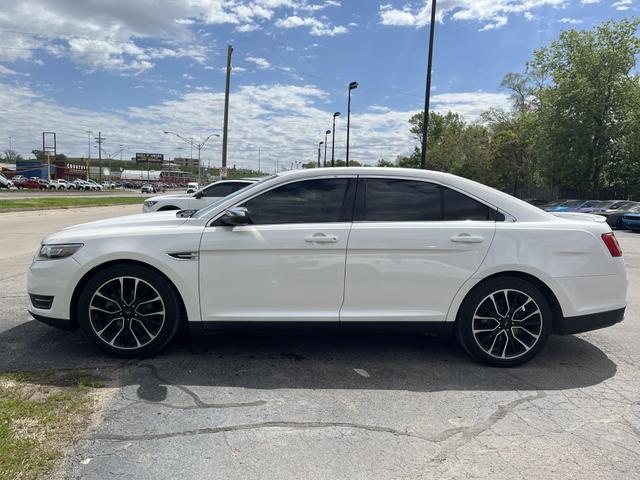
(310, 201)
(460, 207)
(401, 200)
(223, 189)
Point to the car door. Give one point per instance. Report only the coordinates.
(412, 246)
(288, 264)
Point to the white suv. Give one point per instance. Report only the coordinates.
(197, 200)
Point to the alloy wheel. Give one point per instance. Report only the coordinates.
(126, 313)
(507, 324)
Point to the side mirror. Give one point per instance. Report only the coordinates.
(198, 194)
(236, 216)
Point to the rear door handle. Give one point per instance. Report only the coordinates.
(321, 238)
(467, 238)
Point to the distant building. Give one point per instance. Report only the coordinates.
(186, 162)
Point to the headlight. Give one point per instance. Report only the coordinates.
(51, 252)
(149, 203)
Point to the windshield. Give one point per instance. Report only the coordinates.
(206, 210)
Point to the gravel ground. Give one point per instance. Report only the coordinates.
(338, 406)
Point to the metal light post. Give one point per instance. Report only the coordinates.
(319, 145)
(325, 147)
(427, 97)
(192, 142)
(333, 140)
(352, 86)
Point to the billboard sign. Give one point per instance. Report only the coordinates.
(150, 158)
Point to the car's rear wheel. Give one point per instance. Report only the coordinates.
(129, 311)
(504, 322)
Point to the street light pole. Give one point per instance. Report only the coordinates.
(333, 140)
(352, 86)
(325, 147)
(319, 145)
(427, 96)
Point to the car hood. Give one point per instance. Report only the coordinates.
(139, 224)
(180, 196)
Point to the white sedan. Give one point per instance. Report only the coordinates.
(197, 200)
(351, 248)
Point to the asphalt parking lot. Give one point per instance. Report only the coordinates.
(338, 406)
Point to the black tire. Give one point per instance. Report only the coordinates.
(620, 224)
(149, 340)
(506, 345)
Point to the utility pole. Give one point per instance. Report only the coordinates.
(258, 160)
(427, 96)
(223, 170)
(319, 145)
(89, 133)
(100, 140)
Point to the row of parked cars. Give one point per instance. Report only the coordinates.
(36, 183)
(620, 214)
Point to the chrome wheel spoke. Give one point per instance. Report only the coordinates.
(140, 314)
(499, 332)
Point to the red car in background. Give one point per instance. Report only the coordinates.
(33, 183)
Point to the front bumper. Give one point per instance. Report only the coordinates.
(586, 323)
(55, 279)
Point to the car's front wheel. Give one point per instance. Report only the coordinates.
(504, 322)
(129, 311)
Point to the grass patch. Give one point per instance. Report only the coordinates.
(41, 415)
(65, 202)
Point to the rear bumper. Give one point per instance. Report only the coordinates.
(593, 321)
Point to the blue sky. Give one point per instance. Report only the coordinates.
(135, 69)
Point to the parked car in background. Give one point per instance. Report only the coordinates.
(631, 221)
(18, 179)
(614, 216)
(598, 205)
(148, 188)
(34, 183)
(94, 185)
(81, 184)
(197, 200)
(60, 184)
(5, 182)
(192, 187)
(346, 248)
(566, 206)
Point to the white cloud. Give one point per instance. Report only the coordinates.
(285, 121)
(622, 5)
(470, 104)
(571, 21)
(261, 63)
(317, 27)
(111, 35)
(589, 2)
(7, 71)
(492, 13)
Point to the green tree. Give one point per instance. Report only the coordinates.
(586, 103)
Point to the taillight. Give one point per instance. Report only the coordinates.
(612, 244)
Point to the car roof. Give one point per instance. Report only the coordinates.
(520, 209)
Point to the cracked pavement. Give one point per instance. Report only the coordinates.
(336, 406)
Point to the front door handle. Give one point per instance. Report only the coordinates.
(321, 238)
(467, 238)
